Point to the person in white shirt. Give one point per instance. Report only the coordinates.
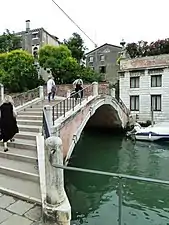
(50, 85)
(78, 85)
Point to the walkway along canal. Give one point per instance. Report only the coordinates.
(94, 198)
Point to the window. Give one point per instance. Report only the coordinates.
(156, 102)
(91, 59)
(102, 57)
(134, 103)
(156, 81)
(134, 82)
(35, 35)
(102, 69)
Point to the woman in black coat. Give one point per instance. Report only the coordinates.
(8, 124)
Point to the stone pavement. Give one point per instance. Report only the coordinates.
(17, 212)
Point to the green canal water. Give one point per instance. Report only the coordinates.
(94, 198)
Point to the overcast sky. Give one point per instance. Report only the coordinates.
(105, 21)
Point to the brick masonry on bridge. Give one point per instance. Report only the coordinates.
(99, 112)
(70, 127)
(62, 89)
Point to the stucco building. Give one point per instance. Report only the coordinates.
(33, 39)
(104, 60)
(144, 85)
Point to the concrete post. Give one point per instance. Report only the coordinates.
(113, 92)
(49, 115)
(2, 92)
(95, 88)
(41, 93)
(68, 93)
(56, 209)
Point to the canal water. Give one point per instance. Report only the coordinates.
(94, 198)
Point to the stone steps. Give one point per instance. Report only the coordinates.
(22, 144)
(29, 122)
(26, 135)
(19, 175)
(30, 128)
(20, 188)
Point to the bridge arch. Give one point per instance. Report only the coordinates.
(101, 112)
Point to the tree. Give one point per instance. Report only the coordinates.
(76, 45)
(89, 75)
(142, 48)
(17, 71)
(59, 60)
(9, 41)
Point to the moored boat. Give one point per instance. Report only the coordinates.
(159, 131)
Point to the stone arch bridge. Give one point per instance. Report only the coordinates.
(97, 110)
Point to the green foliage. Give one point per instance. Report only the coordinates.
(76, 46)
(17, 71)
(9, 41)
(59, 60)
(63, 66)
(142, 49)
(89, 75)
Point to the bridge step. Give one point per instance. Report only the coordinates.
(20, 188)
(30, 128)
(19, 175)
(29, 122)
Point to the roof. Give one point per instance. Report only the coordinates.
(103, 46)
(36, 30)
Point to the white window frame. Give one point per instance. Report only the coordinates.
(155, 82)
(135, 81)
(136, 103)
(102, 60)
(91, 59)
(35, 37)
(156, 102)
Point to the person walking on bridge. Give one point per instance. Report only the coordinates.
(8, 124)
(78, 85)
(50, 87)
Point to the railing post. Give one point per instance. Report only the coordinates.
(57, 209)
(68, 94)
(95, 88)
(41, 93)
(120, 201)
(2, 92)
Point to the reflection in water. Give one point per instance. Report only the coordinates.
(94, 198)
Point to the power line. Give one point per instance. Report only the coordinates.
(74, 23)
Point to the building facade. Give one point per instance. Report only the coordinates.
(144, 86)
(32, 40)
(103, 60)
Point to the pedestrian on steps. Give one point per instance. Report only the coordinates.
(50, 87)
(8, 123)
(78, 85)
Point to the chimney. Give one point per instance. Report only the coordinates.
(27, 25)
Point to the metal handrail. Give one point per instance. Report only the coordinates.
(120, 177)
(69, 103)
